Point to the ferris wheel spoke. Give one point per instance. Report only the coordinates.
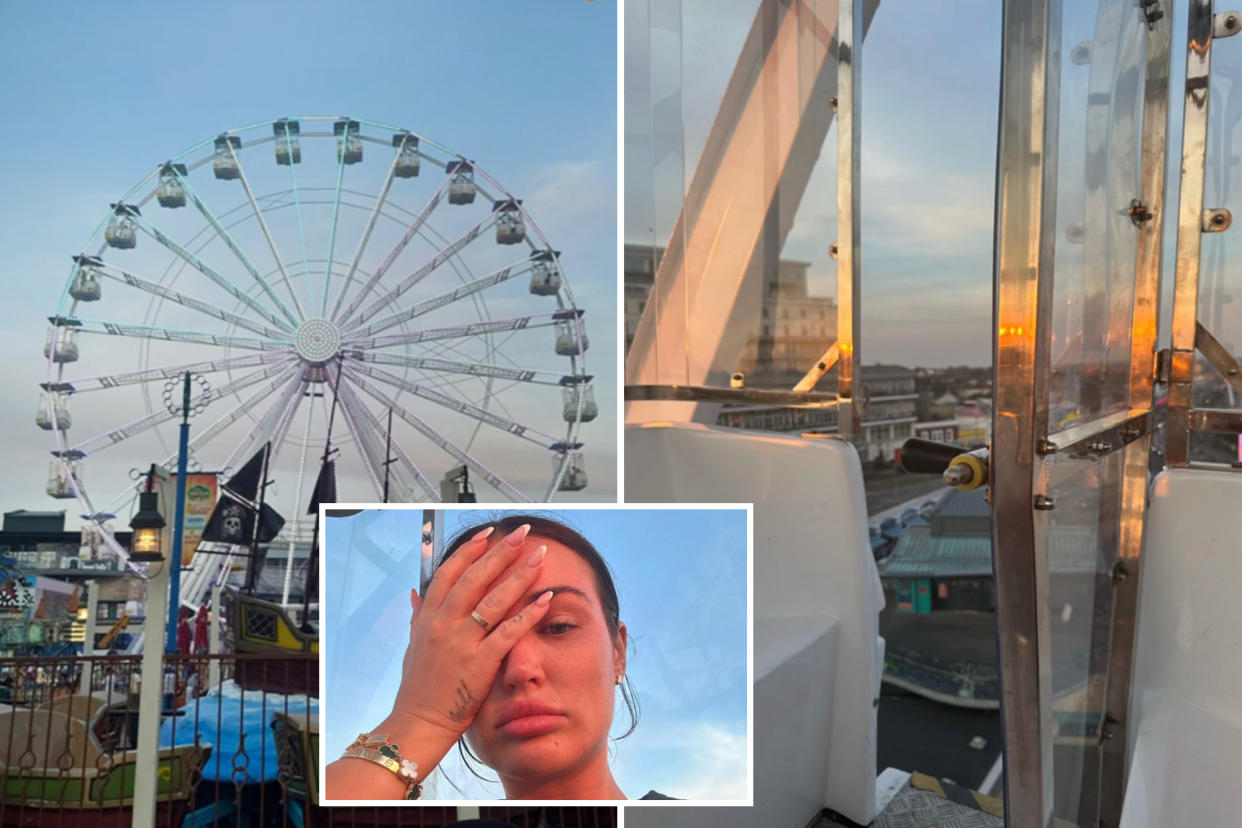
(446, 298)
(153, 419)
(401, 244)
(212, 274)
(539, 320)
(336, 212)
(296, 513)
(206, 435)
(267, 234)
(349, 396)
(468, 368)
(529, 433)
(362, 242)
(168, 372)
(227, 238)
(297, 199)
(199, 305)
(286, 422)
(269, 422)
(451, 448)
(417, 276)
(368, 452)
(173, 335)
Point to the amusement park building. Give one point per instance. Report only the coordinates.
(49, 575)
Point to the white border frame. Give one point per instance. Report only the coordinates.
(325, 639)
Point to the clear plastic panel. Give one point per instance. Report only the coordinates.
(1103, 55)
(1220, 263)
(728, 107)
(1081, 532)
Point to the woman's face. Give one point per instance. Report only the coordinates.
(550, 707)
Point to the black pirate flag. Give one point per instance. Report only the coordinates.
(233, 522)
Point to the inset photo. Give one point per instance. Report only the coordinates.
(585, 654)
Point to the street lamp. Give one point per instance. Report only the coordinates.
(148, 525)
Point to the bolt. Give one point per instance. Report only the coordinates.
(1046, 446)
(833, 103)
(1044, 503)
(1218, 219)
(1231, 22)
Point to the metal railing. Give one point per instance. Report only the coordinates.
(244, 752)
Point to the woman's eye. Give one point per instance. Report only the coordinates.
(559, 628)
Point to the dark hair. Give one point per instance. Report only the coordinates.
(553, 529)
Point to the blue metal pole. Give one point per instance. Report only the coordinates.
(173, 561)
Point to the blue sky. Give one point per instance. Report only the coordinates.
(108, 93)
(681, 577)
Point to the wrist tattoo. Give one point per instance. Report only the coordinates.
(464, 701)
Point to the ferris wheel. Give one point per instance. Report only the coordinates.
(314, 270)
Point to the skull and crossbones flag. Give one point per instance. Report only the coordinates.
(233, 522)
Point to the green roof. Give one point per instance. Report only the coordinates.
(920, 554)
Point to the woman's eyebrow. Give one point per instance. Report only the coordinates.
(558, 590)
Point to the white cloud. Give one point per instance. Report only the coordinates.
(689, 760)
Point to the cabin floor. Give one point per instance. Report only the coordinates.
(926, 802)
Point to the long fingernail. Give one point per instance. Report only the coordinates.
(483, 534)
(536, 557)
(518, 535)
(544, 599)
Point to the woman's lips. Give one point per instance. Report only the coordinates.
(525, 727)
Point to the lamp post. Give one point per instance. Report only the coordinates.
(174, 601)
(148, 525)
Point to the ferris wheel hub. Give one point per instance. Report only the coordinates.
(317, 340)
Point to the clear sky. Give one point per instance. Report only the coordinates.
(106, 93)
(681, 576)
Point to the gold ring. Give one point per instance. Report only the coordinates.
(483, 622)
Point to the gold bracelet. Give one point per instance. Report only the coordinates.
(375, 747)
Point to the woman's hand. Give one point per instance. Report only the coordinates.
(452, 660)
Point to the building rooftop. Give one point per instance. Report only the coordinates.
(920, 554)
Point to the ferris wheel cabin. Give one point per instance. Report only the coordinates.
(545, 274)
(224, 161)
(288, 147)
(571, 340)
(121, 231)
(575, 477)
(64, 473)
(461, 182)
(579, 403)
(170, 192)
(406, 165)
(53, 413)
(510, 227)
(1118, 671)
(85, 286)
(348, 144)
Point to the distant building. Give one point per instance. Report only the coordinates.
(56, 567)
(793, 328)
(947, 564)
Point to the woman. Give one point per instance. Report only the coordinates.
(517, 645)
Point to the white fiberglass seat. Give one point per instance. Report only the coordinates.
(1185, 722)
(817, 598)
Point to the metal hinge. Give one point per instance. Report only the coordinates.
(1164, 358)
